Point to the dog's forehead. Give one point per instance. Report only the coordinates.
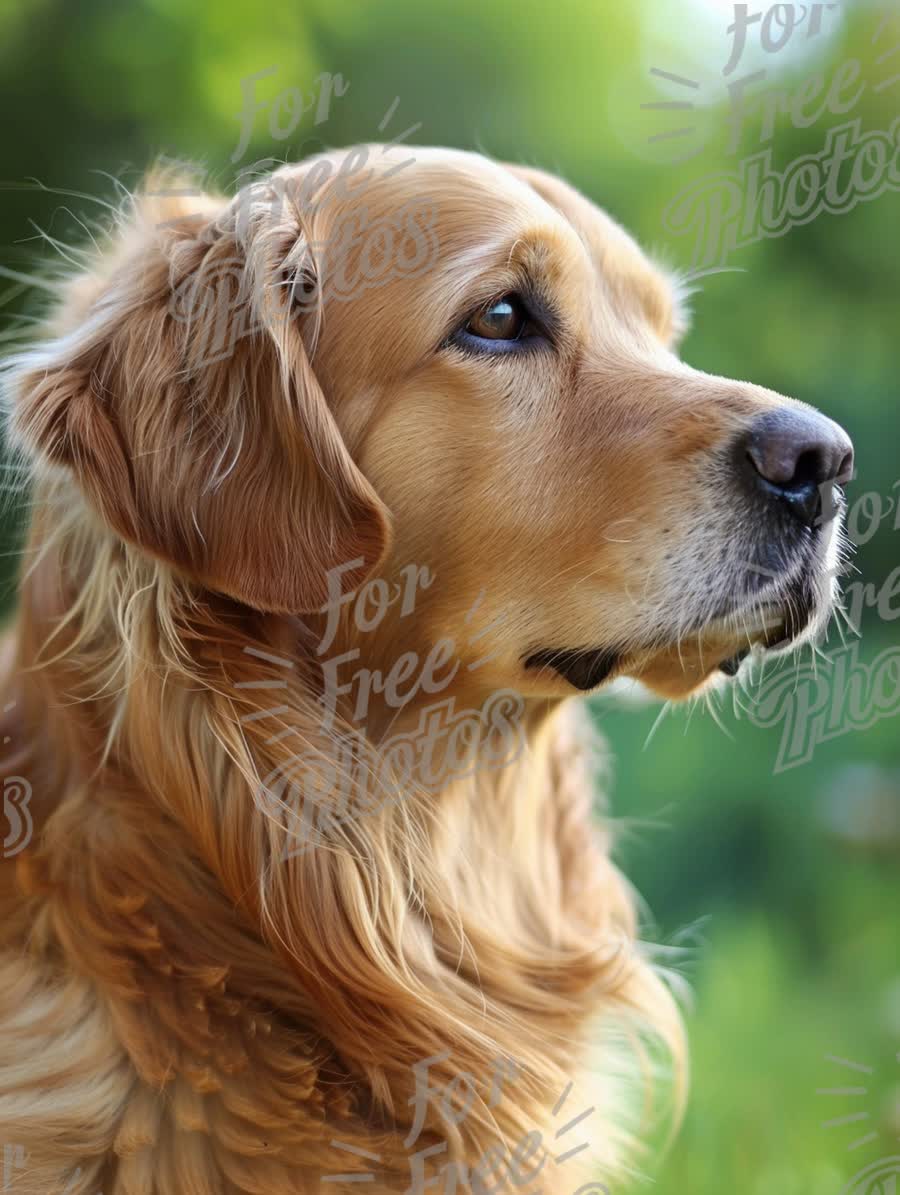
(483, 218)
(470, 196)
(618, 257)
(465, 190)
(481, 205)
(481, 185)
(485, 213)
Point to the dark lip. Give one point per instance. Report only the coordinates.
(730, 667)
(583, 667)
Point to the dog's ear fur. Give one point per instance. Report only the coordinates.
(180, 394)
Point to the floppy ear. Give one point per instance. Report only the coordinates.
(183, 401)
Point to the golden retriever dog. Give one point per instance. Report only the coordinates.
(384, 451)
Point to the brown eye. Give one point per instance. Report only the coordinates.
(504, 319)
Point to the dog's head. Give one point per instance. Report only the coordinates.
(448, 362)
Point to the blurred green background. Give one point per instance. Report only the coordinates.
(780, 890)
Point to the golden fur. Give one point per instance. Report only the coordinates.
(187, 1008)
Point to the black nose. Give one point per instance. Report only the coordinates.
(797, 455)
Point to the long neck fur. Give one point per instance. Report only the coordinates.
(203, 1011)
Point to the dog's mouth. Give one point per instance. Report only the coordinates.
(588, 668)
(768, 617)
(681, 666)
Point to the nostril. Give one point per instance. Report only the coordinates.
(810, 467)
(794, 453)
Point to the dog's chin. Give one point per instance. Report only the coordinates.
(675, 670)
(714, 649)
(680, 671)
(720, 649)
